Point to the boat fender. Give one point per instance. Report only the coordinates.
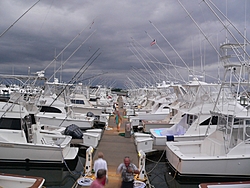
(85, 181)
(139, 184)
(90, 114)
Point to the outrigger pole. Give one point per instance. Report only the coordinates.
(18, 19)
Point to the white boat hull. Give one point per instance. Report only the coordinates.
(197, 134)
(135, 121)
(12, 180)
(46, 148)
(148, 116)
(240, 184)
(188, 160)
(36, 154)
(56, 120)
(85, 110)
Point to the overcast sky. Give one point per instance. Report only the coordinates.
(121, 32)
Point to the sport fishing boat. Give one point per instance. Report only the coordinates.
(193, 110)
(23, 142)
(225, 152)
(55, 108)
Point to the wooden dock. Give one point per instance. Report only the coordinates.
(115, 147)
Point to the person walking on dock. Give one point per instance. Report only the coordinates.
(118, 120)
(100, 178)
(100, 163)
(127, 171)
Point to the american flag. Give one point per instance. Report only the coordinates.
(153, 42)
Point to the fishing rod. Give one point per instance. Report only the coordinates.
(140, 59)
(228, 20)
(73, 79)
(181, 67)
(220, 56)
(169, 44)
(203, 33)
(150, 60)
(226, 27)
(87, 67)
(176, 66)
(241, 78)
(132, 83)
(72, 54)
(18, 19)
(55, 58)
(91, 82)
(112, 85)
(93, 76)
(185, 64)
(136, 73)
(135, 83)
(76, 74)
(64, 63)
(166, 57)
(133, 45)
(137, 79)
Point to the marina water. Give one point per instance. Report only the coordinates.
(65, 177)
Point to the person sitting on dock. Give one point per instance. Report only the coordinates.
(100, 163)
(100, 178)
(127, 171)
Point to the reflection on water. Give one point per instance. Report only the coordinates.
(55, 177)
(159, 173)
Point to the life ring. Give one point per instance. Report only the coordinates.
(139, 184)
(85, 181)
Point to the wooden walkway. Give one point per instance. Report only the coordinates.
(115, 148)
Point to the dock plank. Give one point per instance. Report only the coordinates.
(115, 147)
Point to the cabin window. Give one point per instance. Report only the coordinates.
(191, 119)
(247, 122)
(75, 101)
(214, 121)
(247, 128)
(50, 109)
(10, 123)
(238, 121)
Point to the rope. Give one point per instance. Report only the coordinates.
(157, 162)
(175, 172)
(66, 163)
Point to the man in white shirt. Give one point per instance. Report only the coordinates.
(100, 163)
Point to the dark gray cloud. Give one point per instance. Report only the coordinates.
(122, 31)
